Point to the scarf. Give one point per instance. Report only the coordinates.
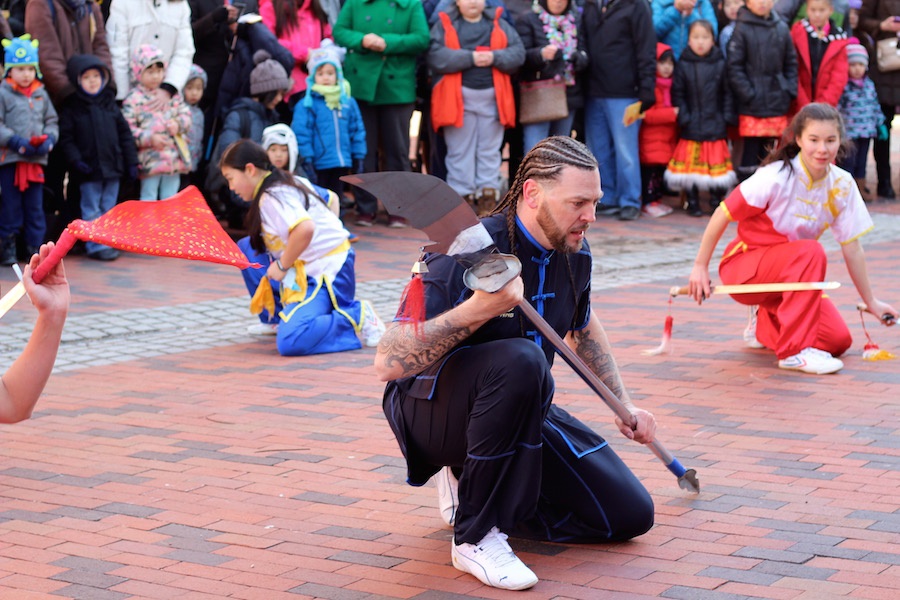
(858, 82)
(25, 91)
(80, 8)
(331, 93)
(664, 85)
(561, 32)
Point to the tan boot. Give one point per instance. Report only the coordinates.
(863, 190)
(471, 201)
(487, 201)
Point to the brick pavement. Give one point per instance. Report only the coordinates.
(172, 456)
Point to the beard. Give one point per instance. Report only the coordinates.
(555, 234)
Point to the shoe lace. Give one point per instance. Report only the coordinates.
(494, 548)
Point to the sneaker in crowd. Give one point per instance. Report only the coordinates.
(493, 562)
(607, 211)
(750, 331)
(629, 213)
(372, 327)
(352, 238)
(104, 254)
(365, 220)
(812, 360)
(448, 494)
(263, 329)
(397, 222)
(656, 209)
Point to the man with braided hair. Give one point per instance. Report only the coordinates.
(469, 393)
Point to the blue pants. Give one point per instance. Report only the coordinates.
(326, 320)
(524, 465)
(97, 198)
(160, 187)
(18, 208)
(532, 133)
(616, 149)
(855, 161)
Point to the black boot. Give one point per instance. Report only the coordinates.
(715, 199)
(692, 202)
(8, 251)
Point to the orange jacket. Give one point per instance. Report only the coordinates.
(446, 97)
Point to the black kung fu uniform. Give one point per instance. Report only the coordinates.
(485, 409)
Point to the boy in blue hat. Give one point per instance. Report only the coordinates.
(28, 131)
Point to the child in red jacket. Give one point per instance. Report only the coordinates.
(821, 56)
(658, 136)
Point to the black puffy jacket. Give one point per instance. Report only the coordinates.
(621, 44)
(701, 92)
(92, 129)
(762, 65)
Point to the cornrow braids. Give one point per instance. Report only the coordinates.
(544, 162)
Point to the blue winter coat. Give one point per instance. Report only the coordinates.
(672, 27)
(329, 138)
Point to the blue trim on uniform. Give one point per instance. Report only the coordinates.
(569, 443)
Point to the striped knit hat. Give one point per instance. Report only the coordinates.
(856, 53)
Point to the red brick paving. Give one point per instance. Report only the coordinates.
(236, 473)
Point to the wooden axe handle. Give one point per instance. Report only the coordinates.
(763, 288)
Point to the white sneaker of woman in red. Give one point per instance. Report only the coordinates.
(493, 562)
(812, 360)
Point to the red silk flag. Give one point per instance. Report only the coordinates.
(179, 227)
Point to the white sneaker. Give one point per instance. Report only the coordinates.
(372, 327)
(656, 209)
(448, 494)
(263, 329)
(750, 331)
(493, 562)
(812, 360)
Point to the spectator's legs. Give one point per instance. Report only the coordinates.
(150, 188)
(627, 164)
(882, 154)
(600, 142)
(532, 133)
(169, 186)
(11, 200)
(462, 144)
(488, 138)
(366, 203)
(35, 221)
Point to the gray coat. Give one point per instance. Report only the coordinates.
(25, 117)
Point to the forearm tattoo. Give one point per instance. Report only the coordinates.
(594, 351)
(414, 351)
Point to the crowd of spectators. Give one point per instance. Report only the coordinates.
(229, 69)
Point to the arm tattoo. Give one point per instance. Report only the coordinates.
(595, 352)
(414, 352)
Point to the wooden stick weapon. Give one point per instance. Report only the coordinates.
(762, 288)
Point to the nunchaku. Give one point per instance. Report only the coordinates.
(429, 204)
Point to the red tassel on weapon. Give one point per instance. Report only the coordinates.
(412, 302)
(665, 346)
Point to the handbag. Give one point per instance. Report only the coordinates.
(541, 101)
(887, 54)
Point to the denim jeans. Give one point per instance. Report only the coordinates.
(160, 187)
(97, 198)
(532, 133)
(615, 148)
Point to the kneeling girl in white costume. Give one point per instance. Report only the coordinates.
(307, 262)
